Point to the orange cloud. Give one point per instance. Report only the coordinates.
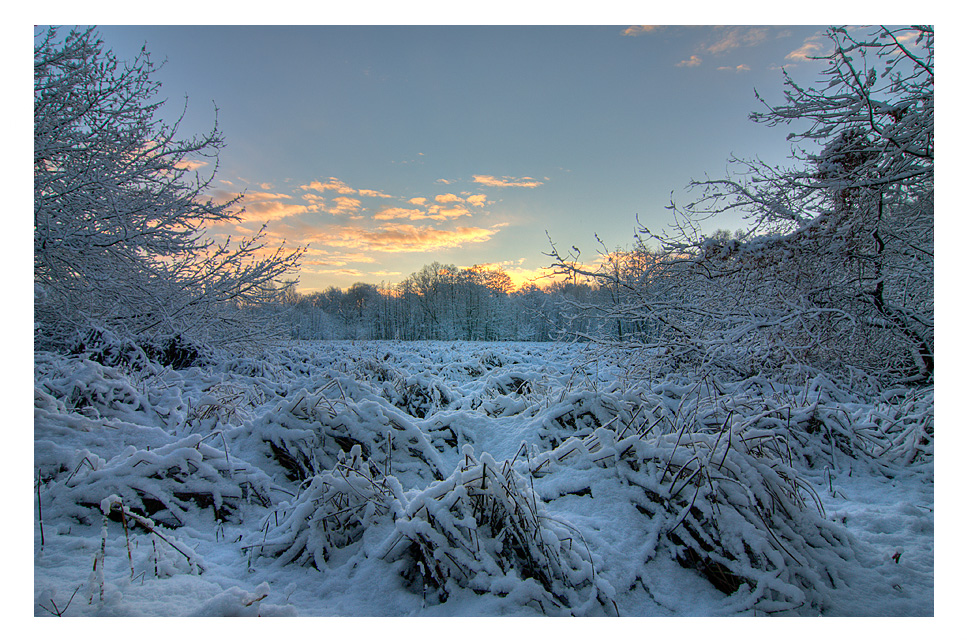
(418, 201)
(637, 30)
(369, 193)
(693, 61)
(437, 212)
(541, 276)
(354, 273)
(344, 205)
(191, 165)
(311, 269)
(507, 181)
(448, 197)
(321, 258)
(401, 238)
(434, 212)
(811, 47)
(399, 213)
(477, 200)
(263, 206)
(334, 184)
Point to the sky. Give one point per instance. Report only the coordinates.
(386, 148)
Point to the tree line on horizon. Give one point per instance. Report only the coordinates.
(445, 302)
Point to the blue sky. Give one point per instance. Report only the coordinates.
(386, 148)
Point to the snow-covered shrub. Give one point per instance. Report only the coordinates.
(111, 350)
(331, 513)
(261, 369)
(223, 403)
(509, 393)
(907, 421)
(176, 352)
(421, 395)
(491, 360)
(87, 387)
(305, 432)
(510, 383)
(831, 423)
(727, 505)
(578, 413)
(114, 349)
(484, 529)
(165, 483)
(376, 370)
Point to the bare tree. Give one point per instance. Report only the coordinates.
(120, 214)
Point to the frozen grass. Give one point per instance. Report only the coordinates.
(473, 479)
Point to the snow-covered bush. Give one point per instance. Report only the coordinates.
(481, 529)
(578, 413)
(728, 505)
(305, 432)
(419, 395)
(222, 404)
(165, 483)
(484, 529)
(89, 388)
(833, 423)
(508, 393)
(906, 420)
(330, 514)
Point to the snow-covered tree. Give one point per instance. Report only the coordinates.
(120, 214)
(836, 266)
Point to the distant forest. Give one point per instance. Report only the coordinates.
(445, 302)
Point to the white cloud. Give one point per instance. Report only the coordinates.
(507, 181)
(735, 37)
(742, 68)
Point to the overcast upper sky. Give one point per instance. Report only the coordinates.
(387, 148)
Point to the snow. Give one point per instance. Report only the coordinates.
(406, 442)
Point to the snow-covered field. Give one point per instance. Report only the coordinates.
(473, 479)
